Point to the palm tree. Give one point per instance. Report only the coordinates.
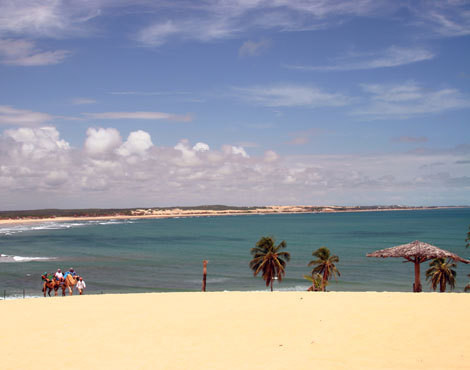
(324, 265)
(441, 272)
(268, 259)
(316, 280)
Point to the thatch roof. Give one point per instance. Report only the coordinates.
(416, 251)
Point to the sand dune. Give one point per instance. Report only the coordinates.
(249, 330)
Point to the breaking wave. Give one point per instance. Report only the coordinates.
(51, 225)
(11, 259)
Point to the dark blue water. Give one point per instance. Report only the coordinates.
(166, 254)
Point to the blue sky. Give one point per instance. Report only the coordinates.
(251, 102)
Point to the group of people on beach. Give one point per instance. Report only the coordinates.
(59, 278)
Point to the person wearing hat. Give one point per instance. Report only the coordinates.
(46, 277)
(81, 285)
(58, 275)
(71, 271)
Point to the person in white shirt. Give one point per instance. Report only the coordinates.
(58, 275)
(81, 285)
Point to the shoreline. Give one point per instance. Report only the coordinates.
(178, 213)
(19, 297)
(214, 330)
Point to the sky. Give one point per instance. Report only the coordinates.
(119, 103)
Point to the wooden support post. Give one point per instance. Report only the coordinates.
(204, 275)
(417, 287)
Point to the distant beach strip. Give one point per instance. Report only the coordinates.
(33, 216)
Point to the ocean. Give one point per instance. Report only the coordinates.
(165, 255)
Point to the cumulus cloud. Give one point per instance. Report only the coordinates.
(238, 150)
(201, 147)
(40, 169)
(37, 143)
(270, 156)
(138, 143)
(188, 154)
(102, 141)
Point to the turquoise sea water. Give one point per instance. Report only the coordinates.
(163, 255)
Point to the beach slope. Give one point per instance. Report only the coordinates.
(238, 330)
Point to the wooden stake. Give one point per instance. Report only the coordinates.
(204, 275)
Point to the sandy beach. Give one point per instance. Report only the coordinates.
(178, 213)
(238, 330)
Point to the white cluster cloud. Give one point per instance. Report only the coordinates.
(238, 150)
(102, 141)
(137, 143)
(105, 142)
(39, 169)
(201, 147)
(37, 143)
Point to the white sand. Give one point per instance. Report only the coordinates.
(253, 330)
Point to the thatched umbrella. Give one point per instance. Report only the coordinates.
(417, 252)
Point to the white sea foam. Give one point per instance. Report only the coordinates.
(10, 259)
(19, 296)
(51, 225)
(297, 288)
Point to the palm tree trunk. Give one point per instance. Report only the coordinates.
(323, 281)
(272, 280)
(442, 286)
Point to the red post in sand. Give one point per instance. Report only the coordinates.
(204, 275)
